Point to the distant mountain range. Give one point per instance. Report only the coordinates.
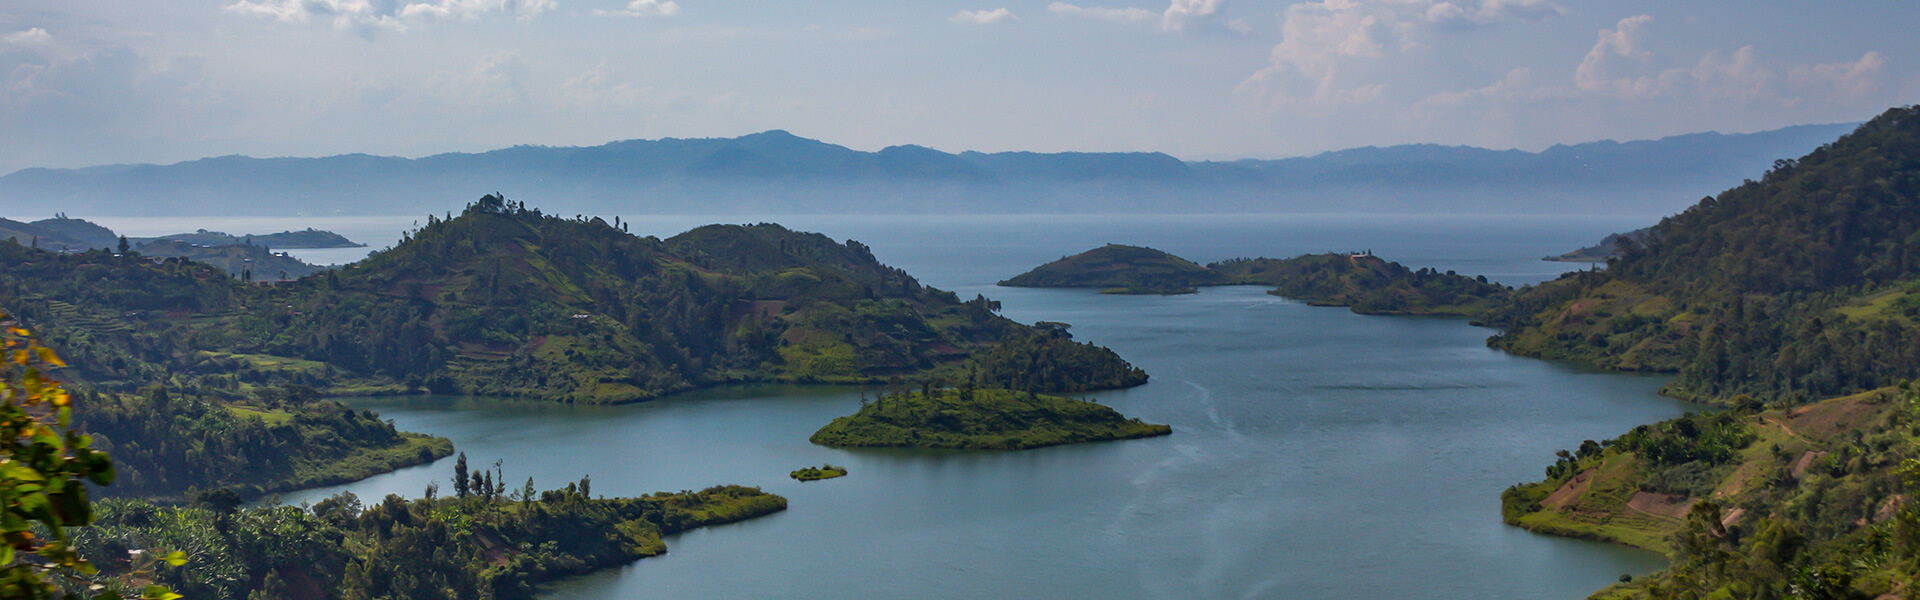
(779, 173)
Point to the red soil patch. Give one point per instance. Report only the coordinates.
(1888, 508)
(1569, 491)
(1806, 461)
(1827, 419)
(767, 309)
(1665, 505)
(1733, 517)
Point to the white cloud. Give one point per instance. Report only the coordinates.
(1179, 17)
(600, 87)
(31, 37)
(1858, 83)
(1184, 14)
(1625, 74)
(1623, 65)
(643, 8)
(1321, 41)
(102, 101)
(1469, 13)
(495, 82)
(1627, 40)
(367, 16)
(473, 9)
(1123, 15)
(983, 17)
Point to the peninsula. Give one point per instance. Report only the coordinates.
(1359, 280)
(506, 300)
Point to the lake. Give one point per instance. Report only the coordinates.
(1316, 453)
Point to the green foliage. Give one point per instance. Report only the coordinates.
(45, 467)
(1712, 438)
(167, 444)
(1367, 284)
(1047, 360)
(990, 419)
(818, 473)
(1125, 269)
(1813, 502)
(464, 548)
(504, 300)
(1791, 288)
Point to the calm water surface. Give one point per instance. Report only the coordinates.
(1316, 453)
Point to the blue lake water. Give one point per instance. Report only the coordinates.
(1316, 453)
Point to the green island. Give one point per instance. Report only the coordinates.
(1361, 281)
(307, 238)
(818, 473)
(1793, 300)
(980, 419)
(1118, 269)
(504, 300)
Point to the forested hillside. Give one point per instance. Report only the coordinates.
(1815, 501)
(507, 300)
(1801, 285)
(489, 545)
(1795, 299)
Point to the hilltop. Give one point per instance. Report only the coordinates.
(1120, 269)
(1793, 300)
(59, 234)
(510, 301)
(1361, 281)
(1794, 287)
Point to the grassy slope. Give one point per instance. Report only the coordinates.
(1828, 468)
(981, 419)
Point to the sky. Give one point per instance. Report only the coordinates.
(89, 82)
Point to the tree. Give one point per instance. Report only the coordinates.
(44, 468)
(460, 476)
(124, 247)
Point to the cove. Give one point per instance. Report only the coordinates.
(1316, 453)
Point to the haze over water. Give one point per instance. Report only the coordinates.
(1316, 453)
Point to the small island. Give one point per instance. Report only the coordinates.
(818, 473)
(310, 238)
(980, 419)
(1359, 280)
(1118, 269)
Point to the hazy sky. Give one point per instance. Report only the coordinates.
(100, 81)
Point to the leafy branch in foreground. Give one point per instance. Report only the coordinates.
(44, 468)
